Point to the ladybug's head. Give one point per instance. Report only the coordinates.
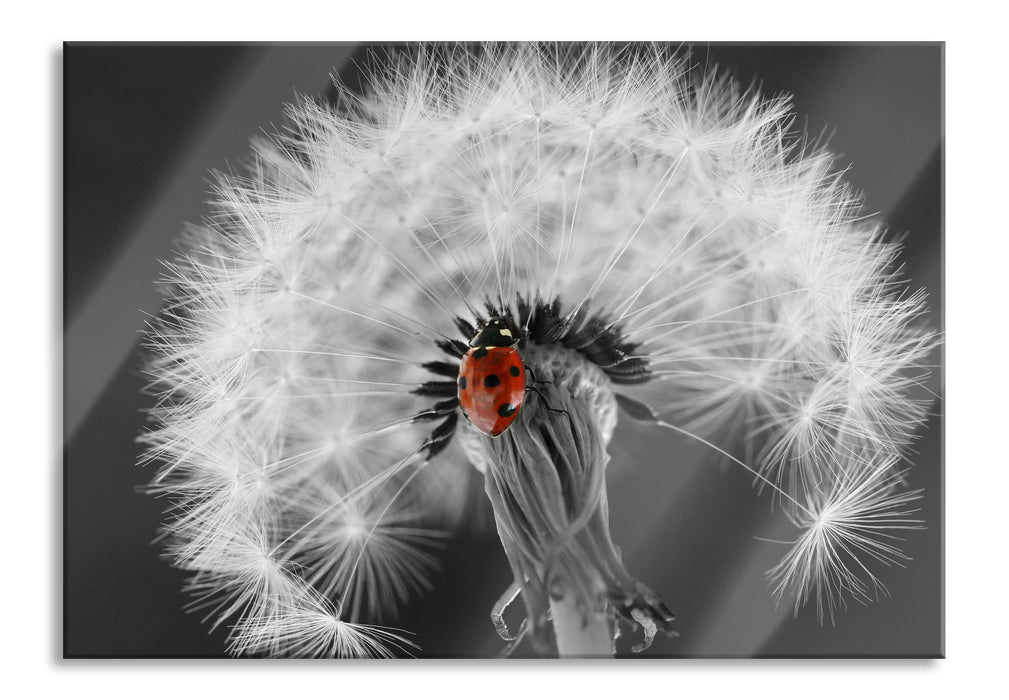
(497, 331)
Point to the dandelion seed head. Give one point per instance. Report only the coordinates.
(855, 525)
(313, 629)
(719, 270)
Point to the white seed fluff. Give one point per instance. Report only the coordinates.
(675, 203)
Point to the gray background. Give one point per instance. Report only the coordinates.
(144, 124)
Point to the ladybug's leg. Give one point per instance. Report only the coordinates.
(545, 404)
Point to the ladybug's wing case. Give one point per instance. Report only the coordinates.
(492, 385)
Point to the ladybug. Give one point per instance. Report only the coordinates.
(492, 377)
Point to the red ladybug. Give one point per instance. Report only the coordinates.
(492, 377)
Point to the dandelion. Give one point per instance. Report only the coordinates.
(661, 249)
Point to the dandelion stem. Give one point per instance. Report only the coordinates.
(580, 636)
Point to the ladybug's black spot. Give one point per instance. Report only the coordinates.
(505, 410)
(462, 382)
(491, 380)
(479, 352)
(514, 371)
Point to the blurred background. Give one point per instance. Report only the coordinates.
(143, 125)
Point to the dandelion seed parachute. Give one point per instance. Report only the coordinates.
(673, 204)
